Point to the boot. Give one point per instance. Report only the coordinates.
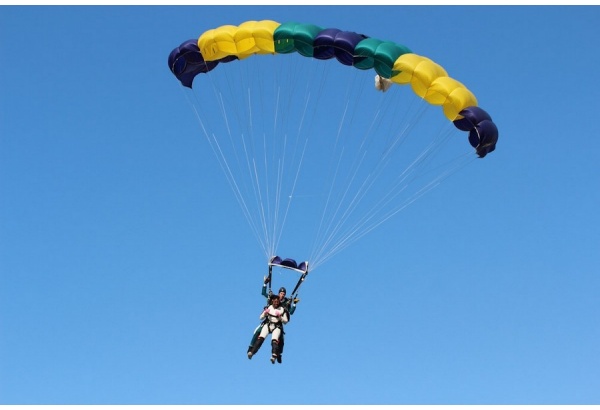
(255, 348)
(274, 351)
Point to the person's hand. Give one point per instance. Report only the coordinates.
(277, 313)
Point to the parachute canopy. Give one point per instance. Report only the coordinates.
(307, 143)
(388, 59)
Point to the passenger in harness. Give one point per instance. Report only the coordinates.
(274, 317)
(288, 304)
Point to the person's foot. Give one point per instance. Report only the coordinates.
(249, 355)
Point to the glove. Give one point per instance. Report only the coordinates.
(266, 280)
(296, 300)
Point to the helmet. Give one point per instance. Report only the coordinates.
(282, 289)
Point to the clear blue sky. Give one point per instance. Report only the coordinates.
(128, 274)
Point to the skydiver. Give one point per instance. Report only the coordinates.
(274, 317)
(288, 305)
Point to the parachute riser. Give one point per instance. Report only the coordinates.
(291, 265)
(269, 278)
(297, 287)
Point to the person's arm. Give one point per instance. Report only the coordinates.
(284, 316)
(264, 291)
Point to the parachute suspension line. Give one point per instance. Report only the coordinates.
(321, 236)
(301, 155)
(364, 187)
(248, 155)
(260, 204)
(368, 222)
(263, 202)
(270, 217)
(256, 189)
(245, 142)
(447, 169)
(362, 228)
(278, 190)
(277, 230)
(253, 173)
(275, 178)
(291, 195)
(222, 160)
(351, 235)
(334, 227)
(298, 167)
(284, 178)
(260, 181)
(319, 240)
(320, 231)
(270, 229)
(414, 197)
(300, 144)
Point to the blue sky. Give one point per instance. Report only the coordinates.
(128, 274)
